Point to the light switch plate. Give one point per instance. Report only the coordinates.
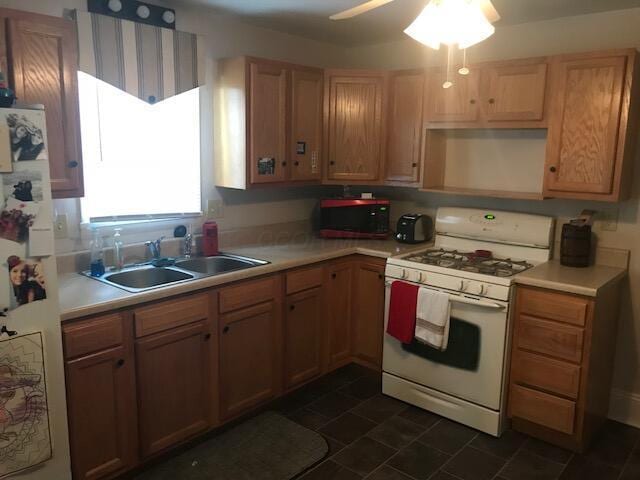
(215, 208)
(60, 226)
(608, 220)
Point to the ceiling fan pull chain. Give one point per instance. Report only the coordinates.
(448, 83)
(464, 70)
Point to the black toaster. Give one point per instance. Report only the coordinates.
(414, 228)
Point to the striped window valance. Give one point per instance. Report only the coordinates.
(152, 63)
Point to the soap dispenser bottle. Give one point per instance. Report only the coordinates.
(97, 254)
(118, 254)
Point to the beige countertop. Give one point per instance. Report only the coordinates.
(581, 281)
(81, 296)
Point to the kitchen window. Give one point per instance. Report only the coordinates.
(141, 161)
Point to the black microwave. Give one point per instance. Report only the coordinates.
(354, 218)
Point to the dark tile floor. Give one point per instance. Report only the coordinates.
(379, 438)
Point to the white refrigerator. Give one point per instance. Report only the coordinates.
(33, 415)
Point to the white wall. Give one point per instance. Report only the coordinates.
(225, 37)
(574, 34)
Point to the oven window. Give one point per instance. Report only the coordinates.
(348, 219)
(463, 350)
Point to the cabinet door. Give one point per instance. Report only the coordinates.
(44, 60)
(338, 304)
(456, 104)
(516, 92)
(306, 124)
(405, 126)
(249, 370)
(174, 386)
(368, 312)
(267, 122)
(102, 413)
(584, 125)
(303, 329)
(355, 127)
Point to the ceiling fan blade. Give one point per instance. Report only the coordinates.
(489, 11)
(363, 8)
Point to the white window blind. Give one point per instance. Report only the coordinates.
(140, 161)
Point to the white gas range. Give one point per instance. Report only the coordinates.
(474, 259)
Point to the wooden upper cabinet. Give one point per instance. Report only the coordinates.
(306, 123)
(101, 399)
(43, 65)
(174, 385)
(515, 92)
(267, 122)
(456, 104)
(354, 104)
(303, 334)
(405, 126)
(589, 150)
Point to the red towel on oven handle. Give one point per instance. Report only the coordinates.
(402, 311)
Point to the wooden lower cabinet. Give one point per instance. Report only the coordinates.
(303, 329)
(561, 364)
(249, 358)
(368, 311)
(101, 401)
(338, 280)
(173, 372)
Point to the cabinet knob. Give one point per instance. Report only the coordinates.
(553, 169)
(380, 276)
(414, 165)
(332, 162)
(292, 307)
(207, 336)
(472, 101)
(333, 275)
(73, 164)
(284, 164)
(225, 329)
(492, 101)
(296, 163)
(120, 362)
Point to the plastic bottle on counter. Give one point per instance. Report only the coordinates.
(97, 254)
(118, 254)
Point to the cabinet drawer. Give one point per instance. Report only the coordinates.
(551, 375)
(172, 313)
(554, 306)
(305, 279)
(543, 409)
(246, 294)
(93, 335)
(550, 338)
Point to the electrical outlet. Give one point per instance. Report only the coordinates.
(608, 220)
(60, 227)
(215, 209)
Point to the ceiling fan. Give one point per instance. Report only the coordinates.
(488, 9)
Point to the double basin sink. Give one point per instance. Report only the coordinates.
(140, 278)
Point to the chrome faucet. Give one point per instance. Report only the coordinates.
(155, 247)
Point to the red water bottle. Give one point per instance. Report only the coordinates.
(210, 239)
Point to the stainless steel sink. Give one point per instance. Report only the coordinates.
(218, 264)
(139, 278)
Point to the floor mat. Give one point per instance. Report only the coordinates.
(266, 447)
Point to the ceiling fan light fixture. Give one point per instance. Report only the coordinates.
(451, 22)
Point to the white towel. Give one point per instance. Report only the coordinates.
(432, 318)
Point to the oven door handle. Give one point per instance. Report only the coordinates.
(469, 301)
(479, 303)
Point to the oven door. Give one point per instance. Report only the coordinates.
(472, 366)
